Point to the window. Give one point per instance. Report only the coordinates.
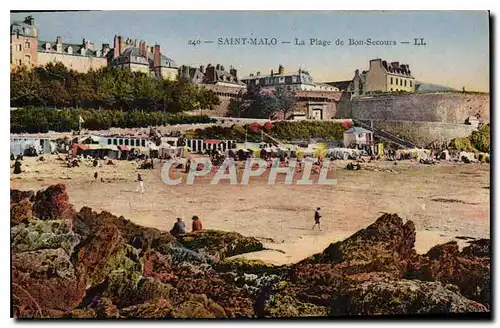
(27, 57)
(410, 83)
(19, 47)
(27, 45)
(126, 142)
(401, 82)
(115, 142)
(391, 89)
(405, 83)
(120, 141)
(143, 143)
(391, 81)
(109, 141)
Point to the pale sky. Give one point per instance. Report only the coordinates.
(456, 52)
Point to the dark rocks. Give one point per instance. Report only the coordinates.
(53, 204)
(477, 248)
(44, 235)
(154, 309)
(21, 212)
(446, 264)
(386, 245)
(105, 309)
(198, 306)
(17, 195)
(217, 245)
(97, 265)
(400, 297)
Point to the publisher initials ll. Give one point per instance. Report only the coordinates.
(419, 42)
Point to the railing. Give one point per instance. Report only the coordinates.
(386, 135)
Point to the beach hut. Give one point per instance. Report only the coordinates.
(358, 137)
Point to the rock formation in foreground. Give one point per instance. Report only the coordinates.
(68, 264)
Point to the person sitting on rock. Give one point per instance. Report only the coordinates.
(197, 224)
(179, 228)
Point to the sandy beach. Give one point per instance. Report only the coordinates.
(445, 201)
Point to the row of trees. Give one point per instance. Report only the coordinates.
(258, 103)
(53, 85)
(41, 120)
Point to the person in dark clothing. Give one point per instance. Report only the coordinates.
(95, 176)
(317, 216)
(179, 228)
(197, 224)
(17, 167)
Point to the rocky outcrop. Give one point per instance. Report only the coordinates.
(386, 245)
(217, 245)
(391, 297)
(97, 265)
(469, 269)
(53, 203)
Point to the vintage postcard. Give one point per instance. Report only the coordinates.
(250, 164)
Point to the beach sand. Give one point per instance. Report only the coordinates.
(445, 201)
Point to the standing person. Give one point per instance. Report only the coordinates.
(317, 216)
(140, 183)
(197, 224)
(96, 176)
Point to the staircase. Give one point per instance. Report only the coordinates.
(385, 135)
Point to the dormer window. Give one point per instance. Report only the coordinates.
(69, 50)
(82, 51)
(59, 47)
(47, 46)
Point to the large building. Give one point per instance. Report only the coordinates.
(296, 81)
(381, 77)
(133, 55)
(212, 75)
(28, 50)
(137, 56)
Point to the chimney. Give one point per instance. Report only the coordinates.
(104, 49)
(29, 20)
(281, 70)
(116, 50)
(122, 45)
(156, 56)
(202, 69)
(258, 73)
(272, 72)
(58, 40)
(233, 72)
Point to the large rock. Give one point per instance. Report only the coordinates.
(21, 212)
(105, 252)
(44, 264)
(38, 234)
(153, 309)
(17, 195)
(218, 245)
(447, 264)
(386, 245)
(53, 204)
(49, 296)
(88, 223)
(381, 297)
(198, 306)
